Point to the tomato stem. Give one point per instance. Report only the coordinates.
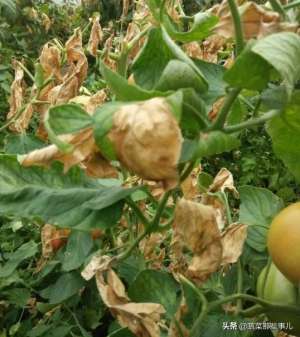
(252, 122)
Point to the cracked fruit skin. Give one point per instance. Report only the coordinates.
(284, 242)
(274, 287)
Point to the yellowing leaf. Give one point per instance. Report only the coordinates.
(147, 140)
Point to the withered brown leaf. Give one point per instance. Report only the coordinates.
(233, 239)
(95, 37)
(147, 140)
(140, 318)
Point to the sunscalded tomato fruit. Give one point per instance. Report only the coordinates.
(274, 287)
(284, 242)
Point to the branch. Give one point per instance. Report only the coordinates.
(225, 110)
(252, 122)
(239, 38)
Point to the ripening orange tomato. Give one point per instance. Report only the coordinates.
(284, 242)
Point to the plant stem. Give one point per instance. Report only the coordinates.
(13, 119)
(292, 5)
(239, 286)
(267, 305)
(253, 311)
(204, 307)
(136, 39)
(187, 171)
(277, 6)
(227, 207)
(252, 122)
(26, 71)
(161, 206)
(223, 113)
(138, 212)
(239, 38)
(135, 243)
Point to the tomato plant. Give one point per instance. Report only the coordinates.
(127, 150)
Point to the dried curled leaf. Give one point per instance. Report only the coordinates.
(50, 60)
(150, 247)
(85, 151)
(223, 181)
(52, 239)
(190, 185)
(140, 318)
(95, 37)
(256, 19)
(233, 239)
(46, 22)
(98, 263)
(147, 140)
(195, 227)
(18, 109)
(76, 57)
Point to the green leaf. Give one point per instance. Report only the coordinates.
(64, 119)
(59, 331)
(177, 75)
(258, 208)
(201, 28)
(152, 60)
(27, 250)
(128, 269)
(21, 144)
(154, 6)
(62, 200)
(209, 144)
(156, 287)
(249, 71)
(13, 329)
(179, 54)
(194, 116)
(123, 90)
(103, 122)
(252, 69)
(17, 296)
(221, 325)
(78, 247)
(67, 118)
(214, 75)
(285, 133)
(39, 330)
(274, 97)
(65, 287)
(282, 52)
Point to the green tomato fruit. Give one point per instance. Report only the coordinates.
(274, 287)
